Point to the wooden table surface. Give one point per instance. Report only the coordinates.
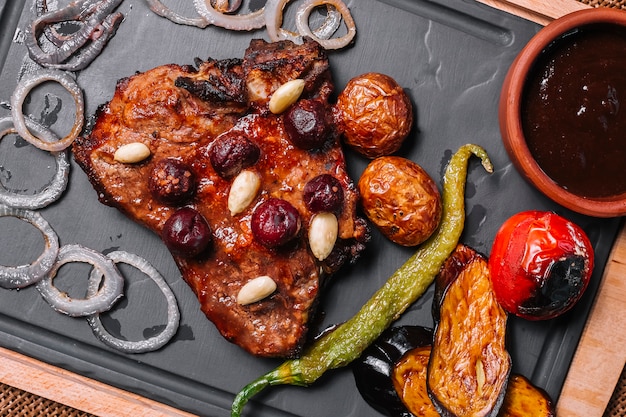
(593, 375)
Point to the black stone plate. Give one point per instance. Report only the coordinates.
(450, 55)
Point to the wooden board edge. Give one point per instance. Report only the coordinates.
(587, 388)
(600, 356)
(76, 391)
(538, 11)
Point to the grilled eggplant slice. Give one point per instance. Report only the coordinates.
(391, 377)
(523, 399)
(373, 370)
(409, 380)
(469, 365)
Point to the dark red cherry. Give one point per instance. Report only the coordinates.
(186, 233)
(275, 222)
(306, 124)
(323, 193)
(172, 181)
(232, 153)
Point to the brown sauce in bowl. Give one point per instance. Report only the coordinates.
(572, 114)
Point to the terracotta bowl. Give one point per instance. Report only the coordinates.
(511, 123)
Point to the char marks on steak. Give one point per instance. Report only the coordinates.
(179, 112)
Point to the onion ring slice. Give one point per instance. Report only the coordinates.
(330, 25)
(302, 23)
(274, 21)
(249, 21)
(223, 6)
(162, 10)
(102, 300)
(96, 21)
(24, 275)
(52, 191)
(24, 88)
(173, 314)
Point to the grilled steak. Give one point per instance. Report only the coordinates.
(218, 111)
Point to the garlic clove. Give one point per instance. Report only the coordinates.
(256, 290)
(286, 95)
(323, 232)
(132, 153)
(243, 190)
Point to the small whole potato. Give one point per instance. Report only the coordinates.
(375, 114)
(401, 199)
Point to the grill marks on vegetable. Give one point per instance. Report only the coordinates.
(391, 376)
(96, 23)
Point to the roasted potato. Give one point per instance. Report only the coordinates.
(375, 114)
(401, 199)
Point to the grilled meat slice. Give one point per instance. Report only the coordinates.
(225, 82)
(268, 66)
(181, 112)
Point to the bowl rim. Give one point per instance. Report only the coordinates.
(510, 109)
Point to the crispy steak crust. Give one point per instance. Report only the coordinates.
(178, 111)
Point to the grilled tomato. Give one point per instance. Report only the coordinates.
(541, 264)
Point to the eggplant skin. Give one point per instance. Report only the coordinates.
(373, 370)
(380, 371)
(469, 365)
(523, 399)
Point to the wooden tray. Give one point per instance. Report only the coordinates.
(589, 384)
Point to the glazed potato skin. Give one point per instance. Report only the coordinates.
(375, 114)
(401, 199)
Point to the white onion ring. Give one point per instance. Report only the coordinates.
(274, 21)
(224, 6)
(52, 191)
(330, 25)
(302, 23)
(21, 92)
(102, 300)
(250, 21)
(173, 314)
(162, 10)
(24, 275)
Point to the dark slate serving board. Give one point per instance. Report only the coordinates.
(450, 55)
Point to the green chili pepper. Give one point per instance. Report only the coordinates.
(346, 343)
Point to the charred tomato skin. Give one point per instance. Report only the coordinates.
(541, 264)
